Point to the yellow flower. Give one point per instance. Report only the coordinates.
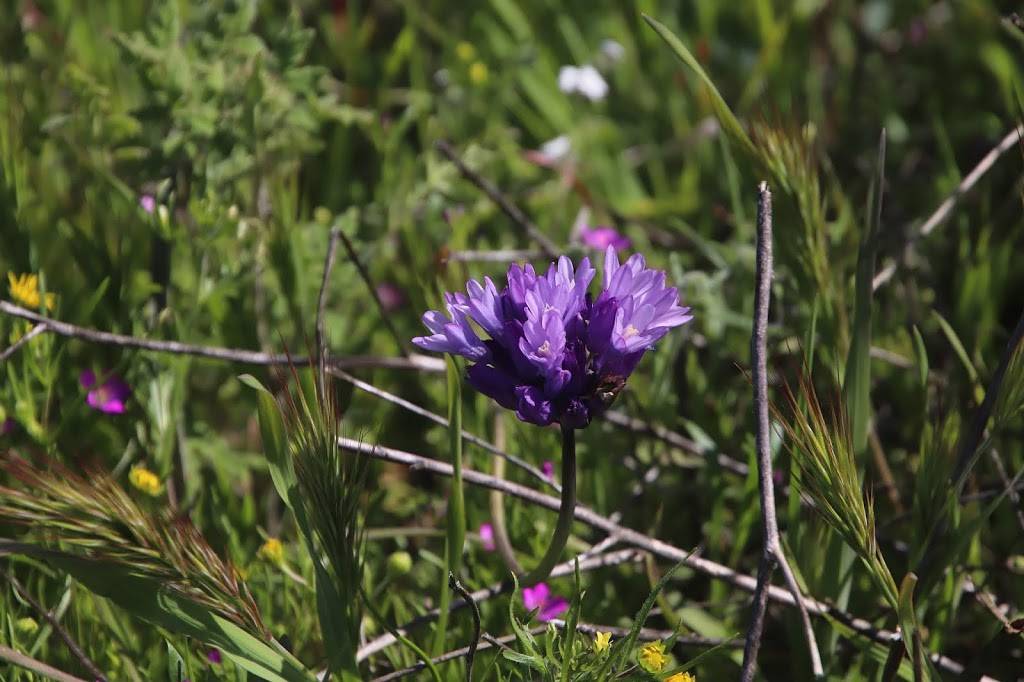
(478, 73)
(25, 290)
(145, 480)
(272, 551)
(465, 51)
(681, 677)
(602, 642)
(26, 626)
(652, 657)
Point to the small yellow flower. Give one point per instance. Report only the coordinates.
(652, 657)
(26, 626)
(272, 551)
(602, 642)
(145, 480)
(681, 677)
(465, 51)
(25, 290)
(478, 73)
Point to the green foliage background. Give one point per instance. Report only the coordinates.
(258, 126)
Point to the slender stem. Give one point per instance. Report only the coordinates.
(566, 511)
(28, 663)
(454, 583)
(25, 338)
(365, 275)
(321, 307)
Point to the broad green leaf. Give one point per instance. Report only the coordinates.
(275, 442)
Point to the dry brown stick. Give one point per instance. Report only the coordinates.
(772, 554)
(25, 338)
(636, 539)
(365, 275)
(567, 568)
(28, 663)
(503, 202)
(59, 628)
(945, 209)
(423, 363)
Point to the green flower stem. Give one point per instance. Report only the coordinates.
(565, 511)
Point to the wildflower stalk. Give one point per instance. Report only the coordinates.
(566, 511)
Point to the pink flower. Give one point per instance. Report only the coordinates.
(487, 536)
(108, 397)
(391, 296)
(602, 236)
(148, 203)
(7, 426)
(539, 597)
(548, 469)
(214, 657)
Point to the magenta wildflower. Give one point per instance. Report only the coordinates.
(602, 236)
(214, 656)
(539, 597)
(148, 203)
(7, 426)
(487, 536)
(391, 296)
(110, 396)
(548, 469)
(552, 352)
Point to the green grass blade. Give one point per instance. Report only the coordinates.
(456, 529)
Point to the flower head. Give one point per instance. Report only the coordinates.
(487, 536)
(586, 80)
(214, 656)
(7, 426)
(108, 397)
(147, 202)
(272, 551)
(601, 237)
(681, 677)
(552, 352)
(652, 657)
(602, 642)
(548, 469)
(145, 480)
(24, 289)
(478, 73)
(539, 597)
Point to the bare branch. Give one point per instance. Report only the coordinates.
(772, 553)
(25, 338)
(28, 663)
(422, 363)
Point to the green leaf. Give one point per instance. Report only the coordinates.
(726, 118)
(147, 599)
(961, 352)
(696, 659)
(857, 381)
(908, 623)
(176, 668)
(275, 442)
(921, 355)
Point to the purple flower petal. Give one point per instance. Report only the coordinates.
(602, 237)
(110, 397)
(148, 203)
(214, 656)
(548, 469)
(553, 608)
(535, 597)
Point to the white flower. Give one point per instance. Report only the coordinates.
(556, 149)
(612, 50)
(586, 80)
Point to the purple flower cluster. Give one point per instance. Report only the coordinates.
(553, 352)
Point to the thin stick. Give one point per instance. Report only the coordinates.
(28, 663)
(321, 306)
(945, 209)
(365, 274)
(481, 595)
(772, 554)
(25, 338)
(500, 256)
(423, 363)
(59, 628)
(495, 195)
(636, 539)
(443, 421)
(454, 584)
